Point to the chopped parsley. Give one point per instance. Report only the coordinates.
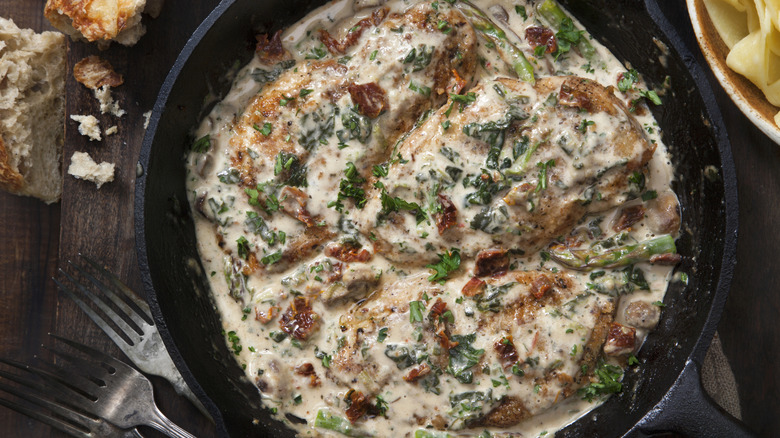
(627, 80)
(350, 187)
(543, 169)
(202, 144)
(382, 335)
(583, 127)
(463, 356)
(393, 204)
(422, 89)
(419, 57)
(609, 382)
(317, 53)
(416, 311)
(448, 262)
(243, 247)
(272, 258)
(567, 36)
(292, 170)
(265, 130)
(235, 342)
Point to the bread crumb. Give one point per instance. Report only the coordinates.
(111, 131)
(88, 126)
(147, 116)
(83, 167)
(107, 102)
(95, 72)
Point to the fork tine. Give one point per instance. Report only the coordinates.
(130, 332)
(33, 393)
(59, 387)
(43, 418)
(106, 292)
(134, 314)
(142, 306)
(94, 354)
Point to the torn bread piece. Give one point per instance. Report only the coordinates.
(82, 166)
(88, 126)
(107, 102)
(101, 21)
(95, 72)
(32, 111)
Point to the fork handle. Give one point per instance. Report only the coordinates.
(168, 427)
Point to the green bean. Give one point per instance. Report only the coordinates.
(326, 420)
(508, 51)
(587, 259)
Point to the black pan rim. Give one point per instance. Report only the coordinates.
(704, 90)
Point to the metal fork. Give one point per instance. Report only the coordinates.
(56, 414)
(141, 341)
(104, 387)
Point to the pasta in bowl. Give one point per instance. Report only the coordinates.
(740, 40)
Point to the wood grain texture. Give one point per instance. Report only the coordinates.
(99, 222)
(34, 237)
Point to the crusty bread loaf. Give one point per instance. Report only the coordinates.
(101, 21)
(32, 111)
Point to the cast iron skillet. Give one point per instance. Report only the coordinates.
(662, 394)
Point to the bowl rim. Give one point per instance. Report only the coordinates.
(710, 44)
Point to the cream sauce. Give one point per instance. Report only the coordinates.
(250, 305)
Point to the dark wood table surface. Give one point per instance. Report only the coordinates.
(36, 239)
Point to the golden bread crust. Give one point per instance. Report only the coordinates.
(95, 72)
(97, 20)
(10, 180)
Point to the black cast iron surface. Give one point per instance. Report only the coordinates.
(666, 381)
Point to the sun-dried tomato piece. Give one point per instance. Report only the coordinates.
(574, 97)
(348, 253)
(542, 36)
(444, 339)
(307, 370)
(506, 351)
(540, 286)
(448, 216)
(621, 339)
(490, 261)
(370, 98)
(264, 317)
(358, 405)
(438, 309)
(457, 83)
(473, 287)
(628, 217)
(339, 47)
(665, 259)
(270, 50)
(293, 201)
(299, 320)
(415, 373)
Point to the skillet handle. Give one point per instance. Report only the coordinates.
(688, 410)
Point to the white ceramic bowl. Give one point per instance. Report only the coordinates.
(748, 98)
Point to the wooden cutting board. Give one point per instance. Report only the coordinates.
(99, 223)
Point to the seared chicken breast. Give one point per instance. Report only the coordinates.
(350, 106)
(536, 333)
(507, 165)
